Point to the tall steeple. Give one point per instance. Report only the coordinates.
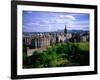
(65, 30)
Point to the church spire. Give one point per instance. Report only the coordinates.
(65, 30)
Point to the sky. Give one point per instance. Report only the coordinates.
(40, 21)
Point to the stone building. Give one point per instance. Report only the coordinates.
(36, 43)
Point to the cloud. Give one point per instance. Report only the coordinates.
(71, 17)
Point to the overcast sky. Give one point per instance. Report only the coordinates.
(36, 21)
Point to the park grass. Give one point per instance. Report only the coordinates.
(83, 46)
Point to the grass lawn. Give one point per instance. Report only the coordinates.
(83, 46)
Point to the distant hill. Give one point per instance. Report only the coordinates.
(69, 31)
(72, 31)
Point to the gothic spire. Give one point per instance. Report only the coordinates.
(65, 30)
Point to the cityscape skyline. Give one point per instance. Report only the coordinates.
(36, 21)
